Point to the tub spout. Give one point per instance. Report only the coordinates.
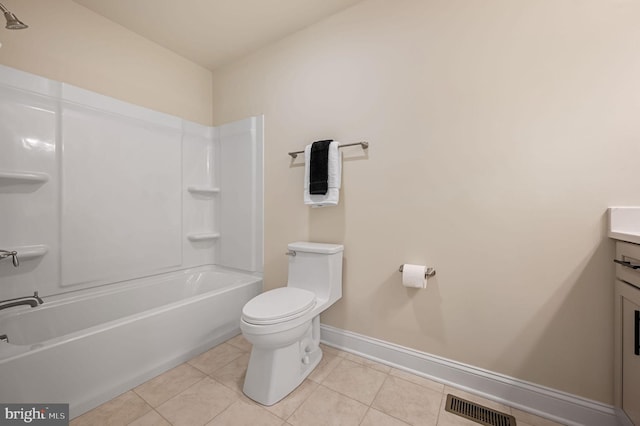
(32, 301)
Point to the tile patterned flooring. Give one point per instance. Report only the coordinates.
(344, 389)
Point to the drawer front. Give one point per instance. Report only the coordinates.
(628, 252)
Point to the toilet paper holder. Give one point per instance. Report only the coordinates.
(428, 273)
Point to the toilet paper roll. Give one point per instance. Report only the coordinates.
(414, 276)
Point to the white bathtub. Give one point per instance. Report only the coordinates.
(86, 347)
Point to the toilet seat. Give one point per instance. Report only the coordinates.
(278, 305)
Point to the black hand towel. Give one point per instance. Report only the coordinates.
(319, 167)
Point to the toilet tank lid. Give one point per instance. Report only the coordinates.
(322, 248)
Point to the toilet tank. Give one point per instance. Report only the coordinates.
(317, 267)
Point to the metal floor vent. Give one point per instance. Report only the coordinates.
(478, 413)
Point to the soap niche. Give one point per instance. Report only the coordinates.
(201, 196)
(21, 181)
(207, 191)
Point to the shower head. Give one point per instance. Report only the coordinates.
(13, 23)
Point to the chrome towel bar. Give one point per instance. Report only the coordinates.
(428, 273)
(364, 145)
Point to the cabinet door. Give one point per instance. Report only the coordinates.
(630, 360)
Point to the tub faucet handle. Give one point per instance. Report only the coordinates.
(13, 254)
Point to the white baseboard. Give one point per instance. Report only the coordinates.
(624, 420)
(542, 401)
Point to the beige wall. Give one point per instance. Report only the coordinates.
(500, 132)
(67, 42)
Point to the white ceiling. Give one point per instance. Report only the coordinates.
(215, 32)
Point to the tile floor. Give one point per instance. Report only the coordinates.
(343, 390)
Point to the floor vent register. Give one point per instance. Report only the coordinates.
(477, 413)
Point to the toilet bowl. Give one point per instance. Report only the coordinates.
(283, 324)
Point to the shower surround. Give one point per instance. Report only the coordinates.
(96, 193)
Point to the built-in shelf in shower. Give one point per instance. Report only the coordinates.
(23, 177)
(207, 190)
(203, 236)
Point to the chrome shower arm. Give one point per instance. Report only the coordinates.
(13, 23)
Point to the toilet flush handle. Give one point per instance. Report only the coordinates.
(290, 253)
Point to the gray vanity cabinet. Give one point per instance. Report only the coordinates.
(630, 360)
(627, 330)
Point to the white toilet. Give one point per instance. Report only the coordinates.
(284, 324)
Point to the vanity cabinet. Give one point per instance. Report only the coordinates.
(627, 330)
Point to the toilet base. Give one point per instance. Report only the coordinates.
(273, 373)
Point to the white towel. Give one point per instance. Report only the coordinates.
(332, 196)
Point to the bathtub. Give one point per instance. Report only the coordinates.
(86, 347)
